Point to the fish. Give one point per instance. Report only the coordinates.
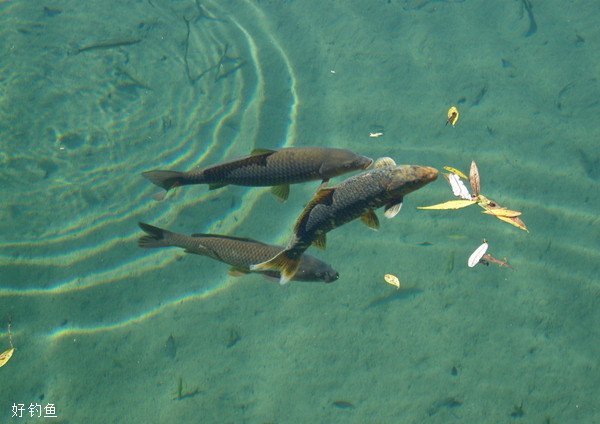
(358, 196)
(238, 252)
(264, 168)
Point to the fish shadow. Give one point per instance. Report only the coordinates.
(395, 295)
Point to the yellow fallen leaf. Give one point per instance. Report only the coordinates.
(456, 171)
(513, 221)
(392, 280)
(452, 116)
(502, 212)
(5, 356)
(451, 204)
(506, 215)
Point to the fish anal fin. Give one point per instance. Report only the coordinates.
(320, 240)
(392, 210)
(215, 186)
(282, 192)
(370, 219)
(384, 162)
(235, 271)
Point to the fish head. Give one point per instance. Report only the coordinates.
(405, 179)
(313, 269)
(340, 161)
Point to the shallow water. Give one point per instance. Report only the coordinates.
(93, 94)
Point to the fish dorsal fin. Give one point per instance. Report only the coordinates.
(282, 192)
(392, 210)
(219, 236)
(320, 240)
(322, 196)
(370, 219)
(384, 162)
(236, 271)
(260, 152)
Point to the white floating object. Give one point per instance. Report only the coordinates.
(477, 255)
(375, 134)
(459, 189)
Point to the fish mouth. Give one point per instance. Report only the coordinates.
(428, 173)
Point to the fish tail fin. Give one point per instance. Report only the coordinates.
(168, 179)
(155, 237)
(285, 262)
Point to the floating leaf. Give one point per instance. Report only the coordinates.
(452, 116)
(392, 280)
(477, 255)
(451, 204)
(474, 179)
(502, 212)
(513, 221)
(6, 355)
(490, 259)
(456, 171)
(459, 189)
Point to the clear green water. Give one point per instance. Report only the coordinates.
(93, 94)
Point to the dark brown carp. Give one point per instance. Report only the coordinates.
(358, 196)
(240, 253)
(276, 168)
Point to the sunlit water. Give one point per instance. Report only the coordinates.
(92, 95)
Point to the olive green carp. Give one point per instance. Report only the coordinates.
(240, 253)
(263, 168)
(358, 196)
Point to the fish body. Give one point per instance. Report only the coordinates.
(240, 253)
(276, 168)
(355, 197)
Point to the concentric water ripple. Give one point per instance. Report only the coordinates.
(181, 86)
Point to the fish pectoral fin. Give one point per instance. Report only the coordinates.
(216, 186)
(283, 262)
(236, 271)
(282, 192)
(370, 219)
(320, 240)
(384, 162)
(392, 210)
